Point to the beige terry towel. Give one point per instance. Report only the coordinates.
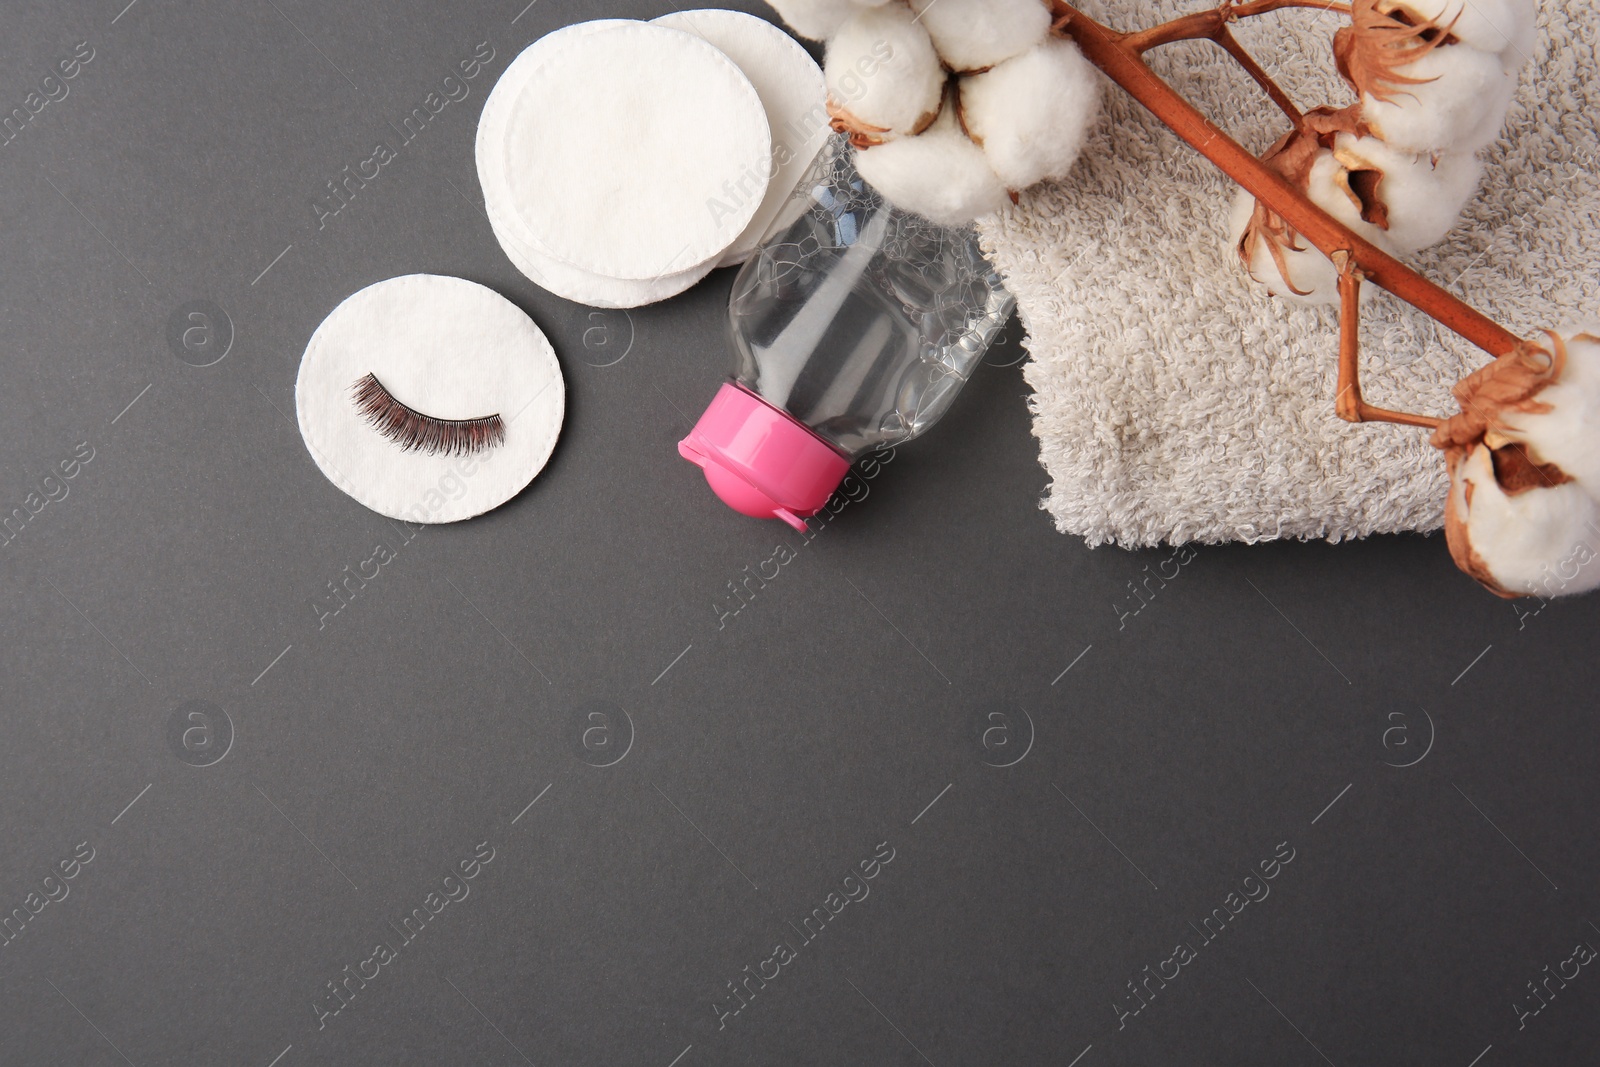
(1173, 402)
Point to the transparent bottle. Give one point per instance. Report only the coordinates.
(854, 327)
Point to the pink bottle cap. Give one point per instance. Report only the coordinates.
(761, 461)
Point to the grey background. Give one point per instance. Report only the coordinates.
(1266, 695)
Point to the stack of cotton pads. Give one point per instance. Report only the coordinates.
(622, 161)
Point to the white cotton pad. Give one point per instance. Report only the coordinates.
(520, 246)
(445, 348)
(619, 145)
(582, 287)
(791, 88)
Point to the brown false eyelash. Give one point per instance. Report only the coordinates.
(414, 431)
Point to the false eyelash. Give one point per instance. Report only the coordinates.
(414, 431)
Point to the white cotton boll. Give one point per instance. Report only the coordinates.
(1307, 270)
(1495, 26)
(1031, 113)
(882, 72)
(816, 19)
(939, 174)
(1568, 435)
(1329, 188)
(1541, 542)
(1460, 106)
(1495, 104)
(1424, 194)
(974, 34)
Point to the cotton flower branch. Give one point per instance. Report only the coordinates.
(1122, 63)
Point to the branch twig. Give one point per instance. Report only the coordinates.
(1231, 45)
(1204, 25)
(1349, 403)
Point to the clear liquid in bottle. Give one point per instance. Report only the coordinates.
(854, 327)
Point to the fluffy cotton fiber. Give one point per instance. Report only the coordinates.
(1459, 105)
(1537, 543)
(940, 174)
(1002, 103)
(1406, 158)
(1568, 434)
(1504, 27)
(1311, 276)
(816, 19)
(883, 73)
(1424, 194)
(971, 35)
(1030, 114)
(1308, 276)
(1524, 455)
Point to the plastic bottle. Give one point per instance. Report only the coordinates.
(853, 328)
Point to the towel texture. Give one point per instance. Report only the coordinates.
(1174, 402)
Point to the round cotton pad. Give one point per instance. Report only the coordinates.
(581, 287)
(448, 356)
(621, 146)
(792, 90)
(520, 246)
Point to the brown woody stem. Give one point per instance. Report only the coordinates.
(1230, 44)
(1213, 26)
(1119, 57)
(1349, 403)
(1205, 24)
